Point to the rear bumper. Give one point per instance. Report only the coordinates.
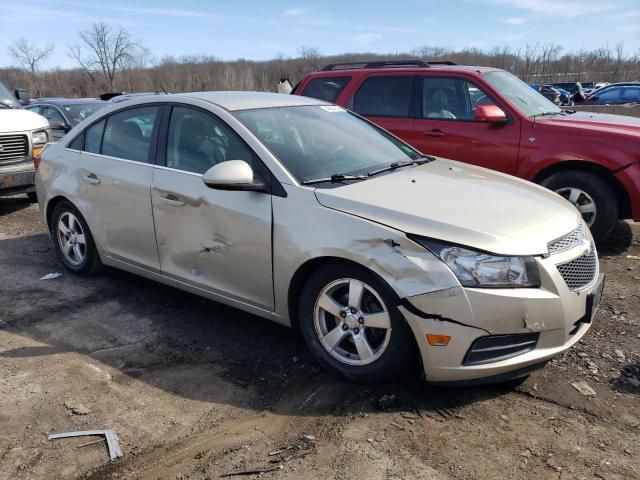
(19, 181)
(630, 178)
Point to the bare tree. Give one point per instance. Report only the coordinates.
(104, 48)
(30, 57)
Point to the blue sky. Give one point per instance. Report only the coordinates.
(260, 30)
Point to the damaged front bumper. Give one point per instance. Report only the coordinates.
(497, 334)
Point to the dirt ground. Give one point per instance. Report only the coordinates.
(196, 390)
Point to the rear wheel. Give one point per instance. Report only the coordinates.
(592, 196)
(72, 240)
(350, 322)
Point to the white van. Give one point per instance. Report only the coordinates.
(23, 134)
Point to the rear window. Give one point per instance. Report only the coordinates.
(384, 97)
(326, 88)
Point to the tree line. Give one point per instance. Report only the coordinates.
(108, 59)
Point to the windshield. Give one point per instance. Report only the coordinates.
(77, 113)
(521, 95)
(319, 141)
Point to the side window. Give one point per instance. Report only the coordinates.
(610, 95)
(384, 97)
(631, 94)
(128, 134)
(35, 108)
(76, 144)
(53, 115)
(93, 136)
(451, 98)
(198, 140)
(325, 88)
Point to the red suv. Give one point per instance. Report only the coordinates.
(488, 117)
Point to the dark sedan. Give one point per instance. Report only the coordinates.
(615, 94)
(63, 113)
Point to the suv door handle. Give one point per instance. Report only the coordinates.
(436, 132)
(92, 178)
(171, 199)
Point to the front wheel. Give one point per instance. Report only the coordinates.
(349, 320)
(592, 196)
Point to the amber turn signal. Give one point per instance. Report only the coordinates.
(438, 340)
(35, 154)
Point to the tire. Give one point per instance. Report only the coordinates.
(83, 260)
(390, 348)
(33, 197)
(597, 191)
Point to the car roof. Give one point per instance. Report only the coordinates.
(236, 100)
(337, 72)
(65, 101)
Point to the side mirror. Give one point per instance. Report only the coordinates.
(232, 175)
(490, 114)
(59, 126)
(22, 95)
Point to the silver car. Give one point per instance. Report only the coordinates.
(304, 213)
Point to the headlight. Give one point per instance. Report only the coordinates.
(480, 269)
(39, 138)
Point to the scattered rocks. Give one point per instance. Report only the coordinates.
(77, 408)
(387, 401)
(309, 439)
(619, 353)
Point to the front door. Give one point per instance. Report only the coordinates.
(214, 239)
(445, 125)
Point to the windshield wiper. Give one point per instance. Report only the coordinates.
(403, 163)
(336, 177)
(544, 114)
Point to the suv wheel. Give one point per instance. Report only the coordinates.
(592, 196)
(350, 322)
(72, 240)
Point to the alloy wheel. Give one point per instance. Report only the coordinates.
(71, 238)
(352, 322)
(582, 201)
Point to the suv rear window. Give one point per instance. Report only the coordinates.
(384, 97)
(326, 88)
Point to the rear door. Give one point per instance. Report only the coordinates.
(114, 175)
(445, 125)
(387, 100)
(217, 240)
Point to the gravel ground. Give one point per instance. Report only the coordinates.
(197, 390)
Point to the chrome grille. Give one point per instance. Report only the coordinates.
(13, 147)
(581, 271)
(570, 240)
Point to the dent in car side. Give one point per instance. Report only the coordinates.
(407, 267)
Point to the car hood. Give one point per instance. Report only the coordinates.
(461, 204)
(595, 121)
(17, 120)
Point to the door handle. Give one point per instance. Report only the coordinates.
(171, 199)
(436, 132)
(92, 179)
